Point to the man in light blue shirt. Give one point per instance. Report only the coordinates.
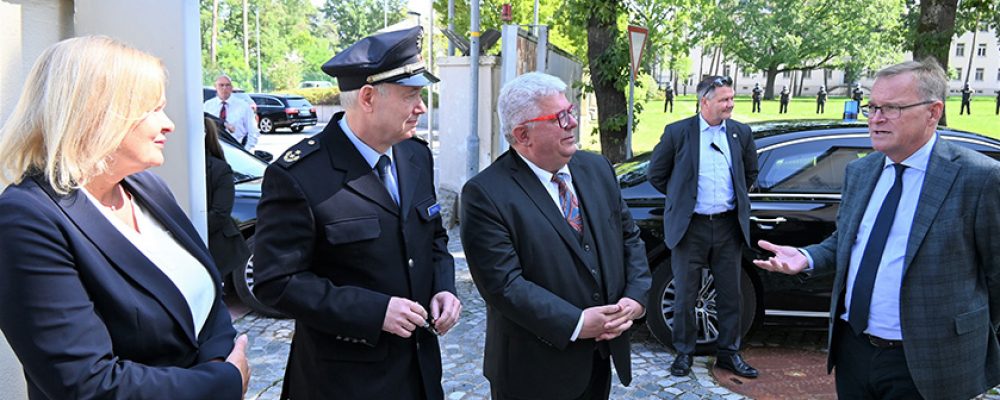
(705, 165)
(915, 305)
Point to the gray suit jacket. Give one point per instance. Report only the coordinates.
(673, 170)
(950, 295)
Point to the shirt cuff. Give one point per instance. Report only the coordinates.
(579, 327)
(809, 259)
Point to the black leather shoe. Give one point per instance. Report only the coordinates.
(735, 364)
(681, 365)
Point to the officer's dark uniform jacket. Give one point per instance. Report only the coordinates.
(332, 247)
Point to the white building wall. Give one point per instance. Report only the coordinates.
(986, 85)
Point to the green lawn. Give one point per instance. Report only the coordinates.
(653, 119)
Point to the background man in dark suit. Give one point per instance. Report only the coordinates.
(704, 165)
(350, 241)
(554, 252)
(916, 298)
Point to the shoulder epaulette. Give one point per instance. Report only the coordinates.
(297, 152)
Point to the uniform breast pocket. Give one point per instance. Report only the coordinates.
(353, 229)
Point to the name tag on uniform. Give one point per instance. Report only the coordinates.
(434, 210)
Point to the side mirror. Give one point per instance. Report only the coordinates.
(263, 155)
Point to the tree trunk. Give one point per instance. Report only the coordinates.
(772, 74)
(246, 33)
(972, 51)
(802, 78)
(935, 28)
(611, 103)
(213, 50)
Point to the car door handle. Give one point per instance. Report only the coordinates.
(777, 220)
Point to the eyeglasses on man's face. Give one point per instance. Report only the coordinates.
(889, 111)
(565, 118)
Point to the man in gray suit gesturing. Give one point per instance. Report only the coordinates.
(916, 297)
(704, 165)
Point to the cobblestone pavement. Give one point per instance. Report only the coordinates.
(462, 350)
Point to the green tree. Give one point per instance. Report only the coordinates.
(355, 19)
(775, 36)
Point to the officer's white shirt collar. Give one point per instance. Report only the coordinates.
(371, 156)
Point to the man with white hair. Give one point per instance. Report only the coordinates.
(554, 252)
(236, 115)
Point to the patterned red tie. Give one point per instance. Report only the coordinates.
(222, 112)
(568, 203)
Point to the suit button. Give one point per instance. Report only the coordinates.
(596, 297)
(586, 247)
(410, 263)
(593, 271)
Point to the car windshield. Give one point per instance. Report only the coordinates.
(298, 102)
(245, 166)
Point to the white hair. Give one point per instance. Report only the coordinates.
(349, 99)
(518, 100)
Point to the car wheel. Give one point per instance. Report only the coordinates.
(660, 318)
(297, 129)
(266, 125)
(243, 281)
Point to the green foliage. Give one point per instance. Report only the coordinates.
(355, 19)
(786, 35)
(522, 12)
(318, 96)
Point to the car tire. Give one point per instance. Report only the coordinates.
(297, 129)
(266, 125)
(243, 280)
(659, 318)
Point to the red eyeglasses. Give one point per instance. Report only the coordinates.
(565, 117)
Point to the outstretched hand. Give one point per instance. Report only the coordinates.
(786, 259)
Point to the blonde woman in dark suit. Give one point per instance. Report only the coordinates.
(107, 290)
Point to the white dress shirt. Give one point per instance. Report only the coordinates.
(159, 246)
(371, 157)
(240, 115)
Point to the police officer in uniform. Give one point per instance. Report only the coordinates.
(783, 108)
(668, 99)
(857, 95)
(966, 101)
(350, 241)
(821, 100)
(755, 96)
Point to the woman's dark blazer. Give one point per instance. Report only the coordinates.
(90, 317)
(229, 250)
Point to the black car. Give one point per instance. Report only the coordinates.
(283, 111)
(794, 202)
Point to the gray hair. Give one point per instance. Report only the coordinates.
(932, 83)
(223, 76)
(518, 101)
(349, 99)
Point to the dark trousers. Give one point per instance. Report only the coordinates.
(755, 107)
(599, 387)
(714, 244)
(998, 108)
(965, 108)
(783, 109)
(821, 108)
(668, 102)
(864, 371)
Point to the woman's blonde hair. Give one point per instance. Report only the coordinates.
(82, 97)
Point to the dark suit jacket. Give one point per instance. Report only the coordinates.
(332, 248)
(950, 296)
(225, 242)
(673, 170)
(89, 316)
(529, 266)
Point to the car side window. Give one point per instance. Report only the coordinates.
(808, 167)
